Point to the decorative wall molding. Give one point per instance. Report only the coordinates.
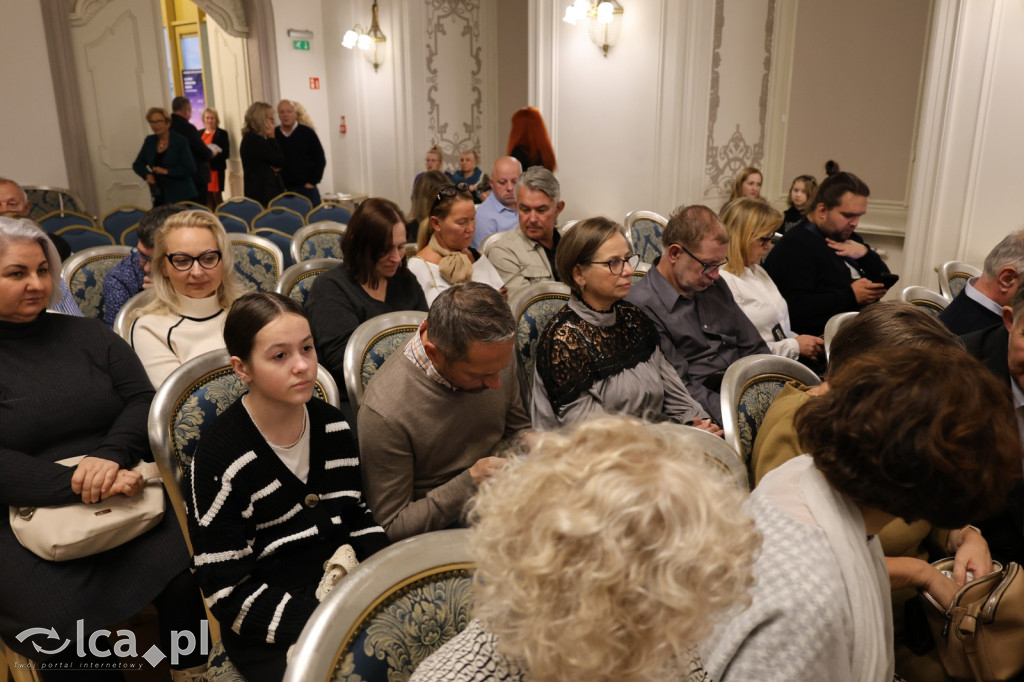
(84, 10)
(454, 126)
(229, 15)
(261, 49)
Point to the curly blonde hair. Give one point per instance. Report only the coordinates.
(608, 552)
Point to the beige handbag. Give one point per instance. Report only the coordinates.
(981, 635)
(72, 531)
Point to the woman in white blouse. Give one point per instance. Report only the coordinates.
(447, 259)
(751, 224)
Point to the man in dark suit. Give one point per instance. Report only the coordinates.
(181, 111)
(980, 304)
(820, 266)
(1001, 349)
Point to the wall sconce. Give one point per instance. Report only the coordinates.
(603, 20)
(371, 42)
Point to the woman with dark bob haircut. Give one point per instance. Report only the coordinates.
(373, 280)
(276, 490)
(919, 433)
(601, 353)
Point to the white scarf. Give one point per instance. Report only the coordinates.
(862, 566)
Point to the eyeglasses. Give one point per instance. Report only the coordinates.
(143, 258)
(617, 266)
(708, 268)
(764, 241)
(208, 260)
(154, 121)
(448, 191)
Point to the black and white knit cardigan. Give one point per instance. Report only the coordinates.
(260, 535)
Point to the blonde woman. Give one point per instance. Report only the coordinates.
(193, 286)
(262, 158)
(751, 224)
(605, 555)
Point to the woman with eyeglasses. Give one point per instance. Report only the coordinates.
(446, 258)
(193, 287)
(751, 224)
(601, 353)
(165, 162)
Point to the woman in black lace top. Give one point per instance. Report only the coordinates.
(601, 353)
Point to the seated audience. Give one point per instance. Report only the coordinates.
(469, 171)
(606, 554)
(498, 211)
(447, 258)
(901, 432)
(277, 490)
(701, 328)
(435, 415)
(801, 198)
(133, 273)
(821, 266)
(747, 184)
(71, 387)
(527, 255)
(980, 304)
(907, 544)
(372, 280)
(600, 353)
(193, 285)
(751, 224)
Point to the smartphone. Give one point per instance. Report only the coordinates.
(888, 280)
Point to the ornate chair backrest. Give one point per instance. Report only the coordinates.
(749, 387)
(833, 326)
(373, 342)
(126, 315)
(490, 241)
(953, 276)
(241, 207)
(258, 262)
(640, 271)
(297, 280)
(717, 453)
(389, 613)
(926, 299)
(49, 199)
(318, 240)
(292, 200)
(329, 211)
(643, 231)
(121, 220)
(533, 308)
(279, 218)
(85, 271)
(233, 223)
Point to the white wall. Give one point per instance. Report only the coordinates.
(32, 151)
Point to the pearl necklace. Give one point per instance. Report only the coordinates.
(270, 442)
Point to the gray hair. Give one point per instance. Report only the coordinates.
(25, 230)
(540, 179)
(465, 314)
(1009, 252)
(8, 181)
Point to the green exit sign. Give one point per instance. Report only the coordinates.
(300, 44)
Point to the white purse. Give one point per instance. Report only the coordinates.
(72, 531)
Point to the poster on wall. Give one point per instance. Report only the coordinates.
(192, 84)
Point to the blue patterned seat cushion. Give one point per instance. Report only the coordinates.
(646, 236)
(221, 669)
(531, 324)
(756, 397)
(86, 283)
(406, 627)
(256, 268)
(381, 348)
(300, 288)
(325, 244)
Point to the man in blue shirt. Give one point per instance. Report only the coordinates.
(498, 212)
(131, 275)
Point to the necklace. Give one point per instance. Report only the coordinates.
(270, 442)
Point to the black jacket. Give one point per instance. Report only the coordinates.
(200, 152)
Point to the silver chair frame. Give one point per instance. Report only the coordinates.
(361, 339)
(923, 297)
(126, 315)
(304, 232)
(954, 269)
(832, 327)
(294, 274)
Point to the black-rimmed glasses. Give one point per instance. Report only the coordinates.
(708, 268)
(208, 260)
(617, 266)
(448, 191)
(143, 258)
(764, 241)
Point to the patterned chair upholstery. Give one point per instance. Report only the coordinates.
(371, 344)
(184, 405)
(319, 240)
(257, 262)
(293, 201)
(643, 230)
(84, 273)
(241, 207)
(953, 277)
(926, 299)
(297, 280)
(749, 387)
(533, 308)
(122, 221)
(832, 328)
(232, 223)
(282, 240)
(279, 218)
(717, 453)
(329, 211)
(389, 614)
(49, 199)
